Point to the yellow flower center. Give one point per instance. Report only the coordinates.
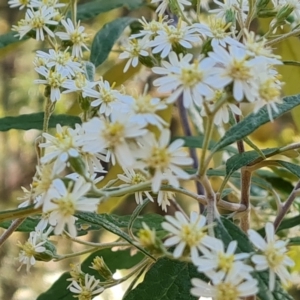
(138, 178)
(160, 158)
(268, 90)
(274, 257)
(239, 70)
(143, 105)
(37, 22)
(227, 291)
(55, 79)
(78, 38)
(225, 261)
(66, 206)
(85, 294)
(27, 248)
(191, 235)
(114, 133)
(218, 27)
(191, 76)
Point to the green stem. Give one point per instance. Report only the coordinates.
(283, 37)
(208, 133)
(74, 11)
(19, 213)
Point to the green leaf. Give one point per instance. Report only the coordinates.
(295, 241)
(100, 220)
(58, 290)
(105, 39)
(294, 169)
(83, 225)
(166, 280)
(9, 38)
(91, 9)
(289, 223)
(254, 121)
(240, 160)
(113, 259)
(227, 232)
(197, 142)
(35, 121)
(277, 182)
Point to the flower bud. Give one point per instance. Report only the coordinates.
(48, 254)
(78, 165)
(100, 266)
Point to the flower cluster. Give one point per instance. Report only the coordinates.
(208, 65)
(228, 272)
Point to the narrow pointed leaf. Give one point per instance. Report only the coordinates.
(35, 121)
(106, 38)
(93, 8)
(240, 160)
(254, 121)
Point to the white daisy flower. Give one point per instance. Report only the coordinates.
(164, 160)
(132, 177)
(132, 52)
(61, 146)
(233, 287)
(216, 263)
(217, 30)
(42, 181)
(223, 114)
(28, 250)
(76, 35)
(86, 290)
(235, 67)
(107, 98)
(171, 36)
(49, 3)
(163, 199)
(269, 91)
(144, 110)
(233, 6)
(188, 236)
(150, 28)
(19, 3)
(66, 201)
(37, 20)
(78, 84)
(61, 61)
(192, 80)
(162, 7)
(114, 136)
(273, 255)
(53, 79)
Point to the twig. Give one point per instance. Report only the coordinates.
(286, 206)
(245, 198)
(187, 132)
(13, 226)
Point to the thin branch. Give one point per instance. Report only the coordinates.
(188, 132)
(245, 198)
(286, 206)
(13, 226)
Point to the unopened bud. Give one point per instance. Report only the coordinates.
(48, 254)
(284, 12)
(100, 266)
(78, 165)
(148, 239)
